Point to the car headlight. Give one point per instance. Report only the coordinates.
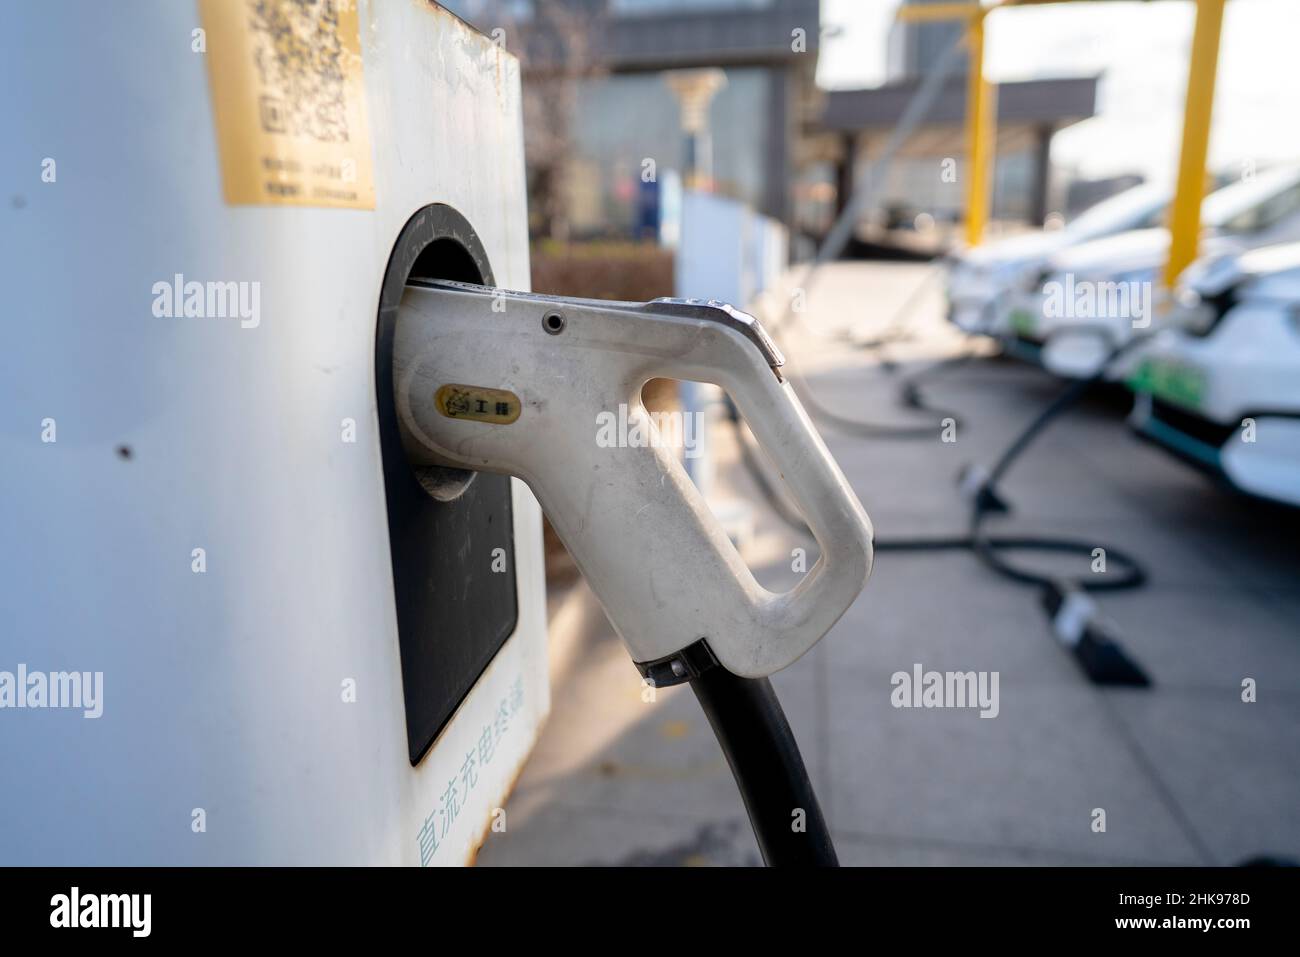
(1197, 314)
(1191, 313)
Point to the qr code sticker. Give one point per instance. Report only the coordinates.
(298, 52)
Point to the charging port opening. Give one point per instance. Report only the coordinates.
(450, 531)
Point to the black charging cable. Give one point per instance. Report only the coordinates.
(909, 391)
(870, 430)
(764, 758)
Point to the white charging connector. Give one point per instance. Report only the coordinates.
(520, 383)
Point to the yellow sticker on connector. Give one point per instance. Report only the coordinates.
(482, 405)
(290, 102)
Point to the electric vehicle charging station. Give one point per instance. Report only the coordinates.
(201, 507)
(266, 508)
(282, 425)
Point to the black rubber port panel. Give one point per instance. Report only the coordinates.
(453, 611)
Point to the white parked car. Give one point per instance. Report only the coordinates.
(1090, 298)
(980, 278)
(1220, 388)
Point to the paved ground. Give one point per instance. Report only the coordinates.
(1186, 772)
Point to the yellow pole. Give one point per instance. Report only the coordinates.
(981, 131)
(1185, 215)
(981, 108)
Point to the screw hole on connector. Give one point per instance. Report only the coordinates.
(553, 323)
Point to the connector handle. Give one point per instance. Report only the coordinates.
(654, 554)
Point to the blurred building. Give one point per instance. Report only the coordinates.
(610, 56)
(604, 138)
(1029, 114)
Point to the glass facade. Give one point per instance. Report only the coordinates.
(916, 47)
(621, 121)
(914, 186)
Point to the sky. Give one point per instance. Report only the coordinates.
(1140, 50)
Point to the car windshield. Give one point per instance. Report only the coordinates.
(1253, 203)
(1134, 208)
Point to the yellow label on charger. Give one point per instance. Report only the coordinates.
(290, 102)
(497, 406)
